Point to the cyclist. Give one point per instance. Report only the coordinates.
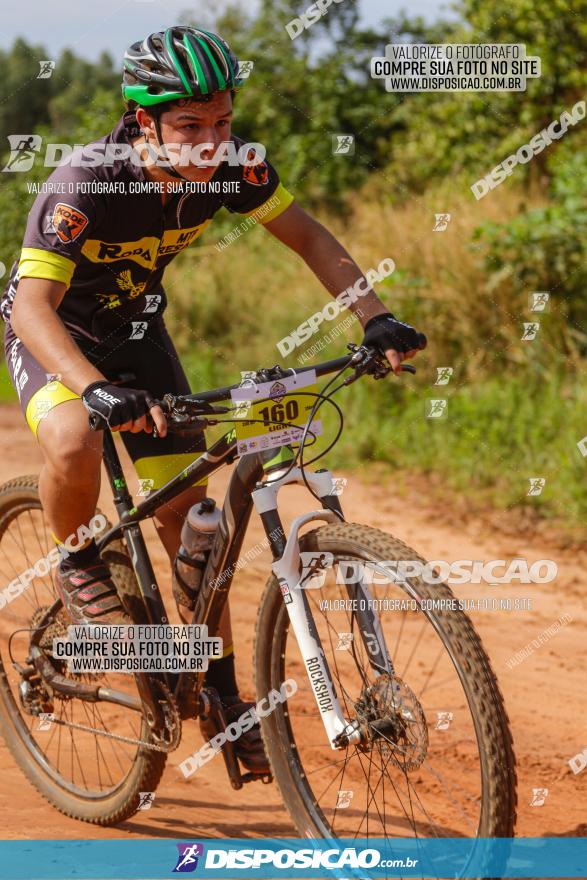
(84, 303)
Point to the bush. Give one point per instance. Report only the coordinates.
(546, 249)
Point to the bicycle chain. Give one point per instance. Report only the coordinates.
(126, 739)
(168, 747)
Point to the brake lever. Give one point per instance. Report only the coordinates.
(370, 362)
(381, 369)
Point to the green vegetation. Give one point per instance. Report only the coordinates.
(516, 408)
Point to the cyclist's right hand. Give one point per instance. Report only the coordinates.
(393, 338)
(124, 409)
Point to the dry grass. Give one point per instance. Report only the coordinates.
(236, 303)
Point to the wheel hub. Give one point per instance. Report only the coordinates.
(392, 721)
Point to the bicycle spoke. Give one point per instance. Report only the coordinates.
(429, 676)
(370, 790)
(98, 748)
(414, 649)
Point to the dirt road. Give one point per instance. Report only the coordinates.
(545, 694)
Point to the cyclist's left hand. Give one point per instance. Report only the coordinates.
(398, 341)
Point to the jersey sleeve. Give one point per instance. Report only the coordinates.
(258, 190)
(58, 224)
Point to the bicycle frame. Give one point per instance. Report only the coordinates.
(246, 489)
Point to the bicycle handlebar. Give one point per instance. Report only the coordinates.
(323, 369)
(215, 395)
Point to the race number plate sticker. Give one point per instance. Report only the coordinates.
(272, 404)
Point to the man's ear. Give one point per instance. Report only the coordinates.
(145, 121)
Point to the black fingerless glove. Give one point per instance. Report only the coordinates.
(114, 404)
(385, 331)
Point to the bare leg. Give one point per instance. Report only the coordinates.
(69, 483)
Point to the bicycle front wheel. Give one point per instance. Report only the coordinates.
(442, 767)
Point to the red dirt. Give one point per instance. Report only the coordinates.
(544, 694)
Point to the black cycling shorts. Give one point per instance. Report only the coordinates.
(154, 363)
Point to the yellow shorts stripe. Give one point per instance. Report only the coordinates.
(162, 468)
(36, 263)
(273, 207)
(226, 652)
(44, 400)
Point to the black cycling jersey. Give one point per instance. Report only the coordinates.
(111, 247)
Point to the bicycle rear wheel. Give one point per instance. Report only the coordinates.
(451, 772)
(92, 776)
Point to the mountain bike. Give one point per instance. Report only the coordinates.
(397, 727)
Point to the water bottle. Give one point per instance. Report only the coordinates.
(197, 537)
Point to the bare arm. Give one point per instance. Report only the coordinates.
(35, 321)
(325, 256)
(331, 264)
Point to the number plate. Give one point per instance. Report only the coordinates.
(274, 403)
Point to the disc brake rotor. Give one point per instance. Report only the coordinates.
(393, 722)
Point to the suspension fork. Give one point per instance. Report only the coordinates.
(286, 567)
(368, 621)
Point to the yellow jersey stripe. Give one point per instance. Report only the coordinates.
(35, 263)
(273, 207)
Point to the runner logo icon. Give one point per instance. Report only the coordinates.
(187, 860)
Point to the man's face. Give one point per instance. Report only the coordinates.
(194, 123)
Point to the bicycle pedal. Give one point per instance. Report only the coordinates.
(265, 778)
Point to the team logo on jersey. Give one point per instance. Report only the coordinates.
(109, 300)
(143, 251)
(125, 282)
(175, 240)
(255, 174)
(68, 222)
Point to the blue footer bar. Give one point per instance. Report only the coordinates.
(356, 859)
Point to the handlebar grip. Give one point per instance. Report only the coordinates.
(408, 368)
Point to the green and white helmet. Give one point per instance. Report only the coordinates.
(181, 62)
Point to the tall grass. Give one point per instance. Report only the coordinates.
(251, 294)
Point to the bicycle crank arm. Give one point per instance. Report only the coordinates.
(287, 572)
(213, 721)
